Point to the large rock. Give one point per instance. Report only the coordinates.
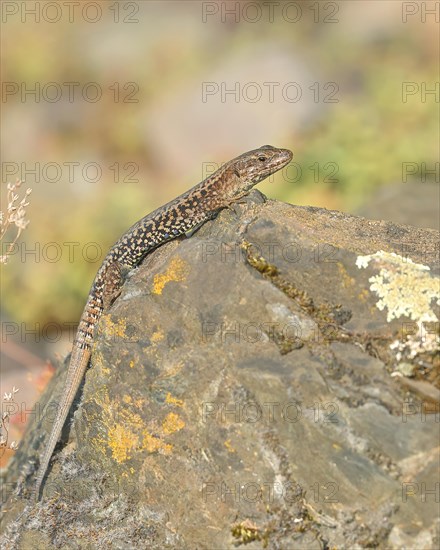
(243, 390)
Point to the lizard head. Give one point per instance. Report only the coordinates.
(254, 166)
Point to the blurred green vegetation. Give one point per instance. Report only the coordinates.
(382, 134)
(368, 133)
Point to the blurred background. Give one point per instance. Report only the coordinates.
(110, 109)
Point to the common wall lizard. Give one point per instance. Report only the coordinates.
(203, 202)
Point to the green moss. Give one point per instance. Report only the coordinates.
(246, 532)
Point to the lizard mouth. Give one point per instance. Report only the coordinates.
(284, 157)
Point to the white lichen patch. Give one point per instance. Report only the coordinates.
(404, 287)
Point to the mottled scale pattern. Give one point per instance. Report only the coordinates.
(228, 184)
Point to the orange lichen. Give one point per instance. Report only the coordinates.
(155, 444)
(172, 423)
(173, 400)
(157, 336)
(111, 329)
(121, 441)
(177, 271)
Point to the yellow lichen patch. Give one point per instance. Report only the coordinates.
(129, 418)
(229, 446)
(121, 441)
(139, 403)
(177, 271)
(157, 336)
(173, 400)
(172, 423)
(155, 444)
(111, 329)
(121, 425)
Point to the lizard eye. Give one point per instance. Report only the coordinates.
(262, 159)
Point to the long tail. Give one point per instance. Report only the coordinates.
(77, 367)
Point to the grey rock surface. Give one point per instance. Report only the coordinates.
(243, 392)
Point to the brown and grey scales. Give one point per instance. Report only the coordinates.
(201, 203)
